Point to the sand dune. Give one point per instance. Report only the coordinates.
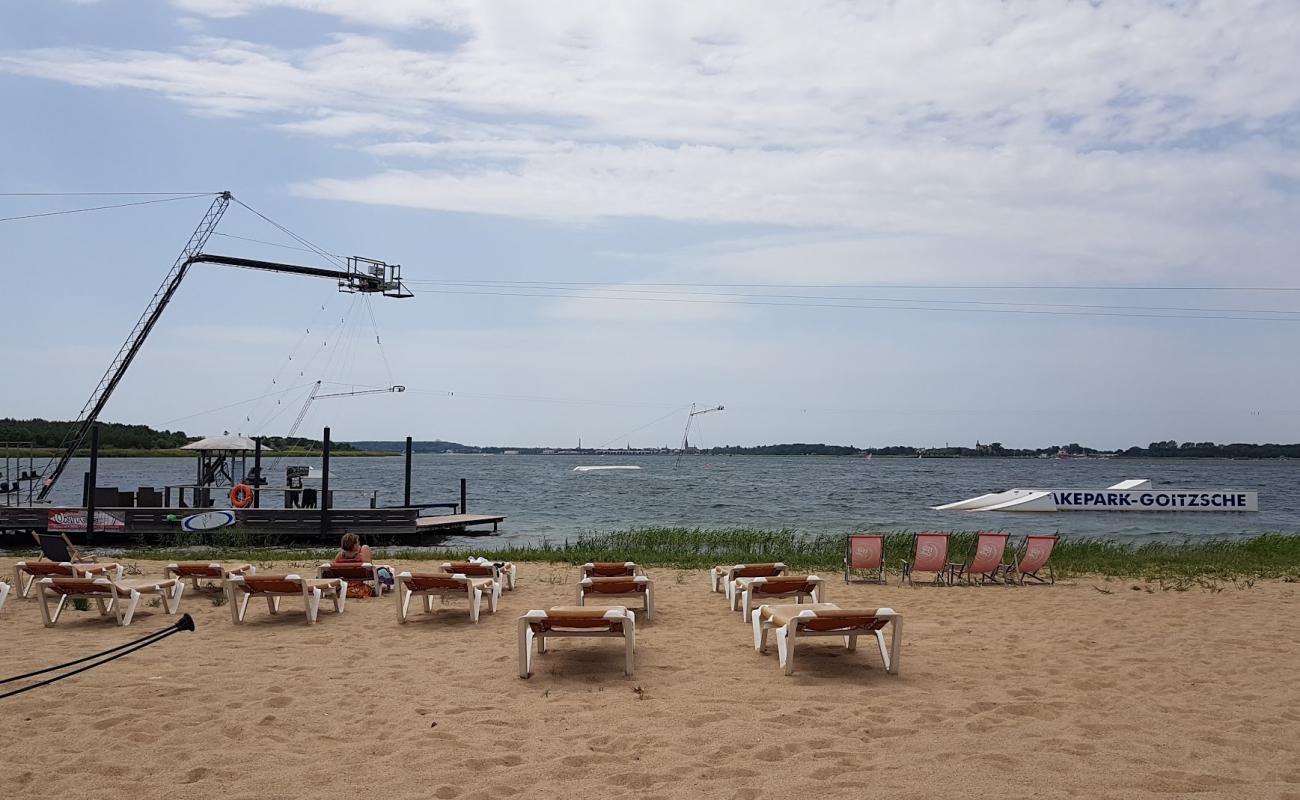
(1034, 692)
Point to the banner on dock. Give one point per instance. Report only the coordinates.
(71, 520)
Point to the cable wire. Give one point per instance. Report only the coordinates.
(101, 208)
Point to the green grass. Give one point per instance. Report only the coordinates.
(1179, 564)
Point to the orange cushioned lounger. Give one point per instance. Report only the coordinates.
(757, 591)
(429, 585)
(614, 621)
(792, 622)
(242, 588)
(637, 586)
(503, 573)
(723, 578)
(59, 557)
(608, 569)
(119, 598)
(365, 572)
(206, 571)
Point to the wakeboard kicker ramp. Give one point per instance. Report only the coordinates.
(1134, 494)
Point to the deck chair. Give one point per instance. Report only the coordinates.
(4, 593)
(826, 619)
(503, 573)
(760, 591)
(724, 577)
(609, 569)
(614, 621)
(987, 561)
(119, 598)
(242, 588)
(364, 572)
(59, 557)
(202, 570)
(429, 585)
(638, 585)
(931, 555)
(1034, 556)
(865, 553)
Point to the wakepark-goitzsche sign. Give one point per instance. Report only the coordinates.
(1153, 500)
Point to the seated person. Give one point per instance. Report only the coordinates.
(353, 552)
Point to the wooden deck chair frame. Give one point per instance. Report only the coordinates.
(211, 571)
(561, 621)
(365, 572)
(724, 577)
(864, 552)
(927, 556)
(4, 593)
(985, 565)
(1030, 554)
(428, 585)
(240, 590)
(503, 573)
(799, 587)
(848, 624)
(111, 597)
(608, 569)
(620, 586)
(26, 573)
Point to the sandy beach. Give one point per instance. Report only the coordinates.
(1065, 691)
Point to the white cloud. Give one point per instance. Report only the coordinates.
(1135, 138)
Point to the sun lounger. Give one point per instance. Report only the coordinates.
(865, 553)
(609, 569)
(760, 591)
(615, 621)
(119, 598)
(202, 570)
(4, 593)
(723, 577)
(638, 586)
(242, 588)
(429, 585)
(364, 572)
(987, 562)
(59, 558)
(503, 573)
(792, 622)
(1035, 555)
(931, 555)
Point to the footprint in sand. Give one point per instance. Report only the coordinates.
(446, 792)
(197, 774)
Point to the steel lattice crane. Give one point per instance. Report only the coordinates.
(362, 275)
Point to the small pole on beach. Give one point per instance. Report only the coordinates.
(463, 508)
(325, 482)
(91, 481)
(257, 471)
(406, 501)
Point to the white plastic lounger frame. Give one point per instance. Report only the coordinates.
(26, 573)
(4, 593)
(609, 569)
(197, 571)
(723, 577)
(503, 574)
(799, 587)
(364, 571)
(639, 586)
(429, 585)
(119, 599)
(241, 588)
(792, 622)
(614, 621)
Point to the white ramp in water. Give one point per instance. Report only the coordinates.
(1027, 499)
(604, 468)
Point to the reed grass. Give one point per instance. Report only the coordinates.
(1261, 557)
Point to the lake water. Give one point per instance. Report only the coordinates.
(542, 497)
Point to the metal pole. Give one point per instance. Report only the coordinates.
(325, 482)
(406, 498)
(257, 471)
(92, 481)
(463, 510)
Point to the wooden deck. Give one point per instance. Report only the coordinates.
(398, 525)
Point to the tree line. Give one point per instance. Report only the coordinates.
(116, 435)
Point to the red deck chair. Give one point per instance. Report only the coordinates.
(987, 562)
(865, 553)
(931, 555)
(1035, 556)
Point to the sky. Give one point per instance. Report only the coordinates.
(820, 215)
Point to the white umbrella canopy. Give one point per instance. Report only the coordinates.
(226, 442)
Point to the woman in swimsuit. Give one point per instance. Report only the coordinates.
(353, 552)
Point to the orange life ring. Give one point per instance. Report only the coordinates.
(241, 496)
